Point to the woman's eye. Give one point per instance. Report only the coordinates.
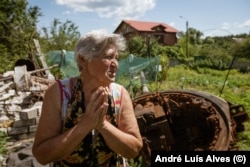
(111, 57)
(108, 57)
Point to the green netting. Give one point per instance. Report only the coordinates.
(129, 70)
(133, 66)
(65, 60)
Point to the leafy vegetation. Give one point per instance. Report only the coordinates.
(3, 141)
(18, 31)
(60, 36)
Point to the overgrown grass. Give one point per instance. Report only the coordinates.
(244, 138)
(236, 89)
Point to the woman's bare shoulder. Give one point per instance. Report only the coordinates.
(53, 89)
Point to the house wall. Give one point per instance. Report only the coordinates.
(170, 39)
(128, 32)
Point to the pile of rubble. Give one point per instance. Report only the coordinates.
(21, 96)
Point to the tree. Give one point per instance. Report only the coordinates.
(60, 36)
(242, 49)
(18, 28)
(194, 36)
(137, 46)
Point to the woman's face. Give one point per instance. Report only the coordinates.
(104, 67)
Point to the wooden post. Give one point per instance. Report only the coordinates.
(41, 56)
(21, 78)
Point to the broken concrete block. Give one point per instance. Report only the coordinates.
(29, 113)
(5, 96)
(21, 78)
(13, 108)
(6, 87)
(23, 157)
(2, 83)
(21, 123)
(12, 92)
(8, 73)
(3, 118)
(16, 131)
(25, 136)
(32, 128)
(38, 105)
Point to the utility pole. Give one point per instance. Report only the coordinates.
(148, 45)
(187, 53)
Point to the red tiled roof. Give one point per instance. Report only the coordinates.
(148, 26)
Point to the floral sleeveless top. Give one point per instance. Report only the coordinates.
(92, 151)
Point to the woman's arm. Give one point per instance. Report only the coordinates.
(126, 140)
(50, 143)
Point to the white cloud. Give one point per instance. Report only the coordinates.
(172, 24)
(235, 25)
(228, 28)
(66, 12)
(245, 24)
(119, 9)
(226, 25)
(217, 32)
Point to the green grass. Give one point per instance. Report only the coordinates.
(244, 138)
(236, 89)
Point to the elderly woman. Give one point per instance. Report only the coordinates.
(89, 120)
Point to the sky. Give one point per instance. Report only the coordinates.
(211, 17)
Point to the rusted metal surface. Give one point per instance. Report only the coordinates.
(187, 120)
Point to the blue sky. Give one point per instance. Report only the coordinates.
(212, 17)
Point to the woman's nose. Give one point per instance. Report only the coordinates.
(114, 62)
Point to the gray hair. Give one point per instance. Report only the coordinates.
(93, 43)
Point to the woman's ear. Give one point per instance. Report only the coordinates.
(83, 63)
(82, 59)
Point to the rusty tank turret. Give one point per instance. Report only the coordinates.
(185, 120)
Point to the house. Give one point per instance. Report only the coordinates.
(164, 33)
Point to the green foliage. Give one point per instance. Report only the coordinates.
(162, 73)
(3, 141)
(60, 36)
(208, 41)
(244, 138)
(137, 46)
(219, 48)
(173, 52)
(209, 63)
(150, 48)
(242, 48)
(194, 36)
(213, 51)
(18, 28)
(136, 162)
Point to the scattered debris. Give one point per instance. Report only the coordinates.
(21, 96)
